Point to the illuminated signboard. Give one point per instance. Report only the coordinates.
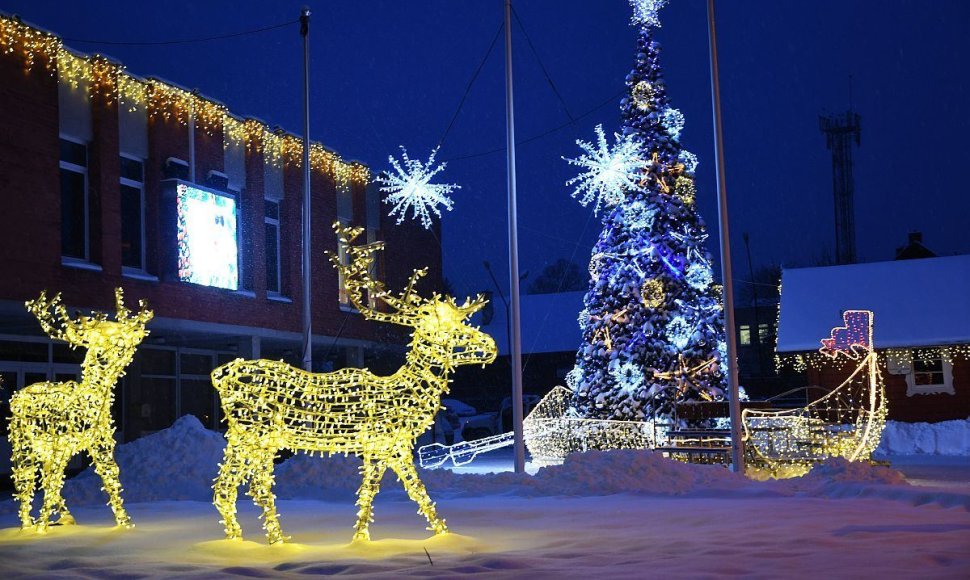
(208, 251)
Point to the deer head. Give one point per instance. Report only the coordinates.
(440, 324)
(95, 332)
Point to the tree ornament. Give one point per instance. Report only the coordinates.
(410, 187)
(596, 264)
(646, 12)
(583, 318)
(270, 405)
(699, 275)
(685, 189)
(678, 332)
(639, 216)
(689, 161)
(673, 122)
(652, 293)
(643, 95)
(628, 376)
(610, 171)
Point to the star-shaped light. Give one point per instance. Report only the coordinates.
(409, 186)
(611, 171)
(646, 12)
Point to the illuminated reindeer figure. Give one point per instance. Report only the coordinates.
(270, 405)
(52, 422)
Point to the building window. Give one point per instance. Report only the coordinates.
(929, 376)
(763, 333)
(744, 332)
(271, 221)
(74, 200)
(133, 213)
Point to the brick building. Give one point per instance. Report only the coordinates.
(921, 329)
(92, 163)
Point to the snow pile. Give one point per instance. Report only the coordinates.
(181, 462)
(944, 438)
(173, 464)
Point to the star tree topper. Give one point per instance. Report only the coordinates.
(609, 171)
(409, 186)
(647, 12)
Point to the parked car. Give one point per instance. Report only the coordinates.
(448, 423)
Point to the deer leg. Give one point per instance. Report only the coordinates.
(261, 490)
(403, 466)
(372, 471)
(52, 480)
(232, 474)
(103, 456)
(24, 477)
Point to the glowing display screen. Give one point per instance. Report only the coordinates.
(208, 252)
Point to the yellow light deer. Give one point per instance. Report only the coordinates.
(52, 422)
(270, 405)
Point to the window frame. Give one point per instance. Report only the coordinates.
(140, 186)
(744, 329)
(83, 171)
(276, 223)
(946, 387)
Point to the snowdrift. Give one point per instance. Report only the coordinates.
(180, 463)
(944, 438)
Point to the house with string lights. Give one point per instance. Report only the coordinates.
(109, 179)
(921, 313)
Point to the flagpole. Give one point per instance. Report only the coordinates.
(737, 450)
(307, 314)
(515, 340)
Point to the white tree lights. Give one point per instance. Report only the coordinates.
(409, 186)
(646, 12)
(610, 171)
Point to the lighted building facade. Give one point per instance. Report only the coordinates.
(169, 195)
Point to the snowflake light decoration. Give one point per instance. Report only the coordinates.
(646, 12)
(409, 186)
(610, 171)
(688, 160)
(639, 216)
(673, 121)
(699, 275)
(678, 332)
(627, 375)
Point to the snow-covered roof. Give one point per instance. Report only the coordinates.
(548, 322)
(915, 302)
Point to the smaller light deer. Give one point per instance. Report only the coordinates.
(52, 422)
(270, 405)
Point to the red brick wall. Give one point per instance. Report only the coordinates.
(30, 241)
(930, 408)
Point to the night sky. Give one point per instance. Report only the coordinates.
(389, 73)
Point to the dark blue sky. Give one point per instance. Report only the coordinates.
(386, 73)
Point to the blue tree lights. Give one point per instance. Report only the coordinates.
(652, 325)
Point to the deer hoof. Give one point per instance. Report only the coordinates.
(66, 520)
(363, 536)
(278, 539)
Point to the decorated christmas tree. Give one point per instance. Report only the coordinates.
(652, 326)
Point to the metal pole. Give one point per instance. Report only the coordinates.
(515, 341)
(307, 317)
(737, 453)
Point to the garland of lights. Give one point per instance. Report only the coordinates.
(847, 422)
(52, 422)
(108, 80)
(270, 405)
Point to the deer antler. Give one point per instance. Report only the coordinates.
(56, 329)
(123, 314)
(357, 278)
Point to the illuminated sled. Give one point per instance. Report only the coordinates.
(550, 434)
(270, 405)
(52, 422)
(847, 422)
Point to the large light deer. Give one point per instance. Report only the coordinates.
(270, 405)
(52, 422)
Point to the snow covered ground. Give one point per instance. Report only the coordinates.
(618, 514)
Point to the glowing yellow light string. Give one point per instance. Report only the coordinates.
(52, 422)
(270, 405)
